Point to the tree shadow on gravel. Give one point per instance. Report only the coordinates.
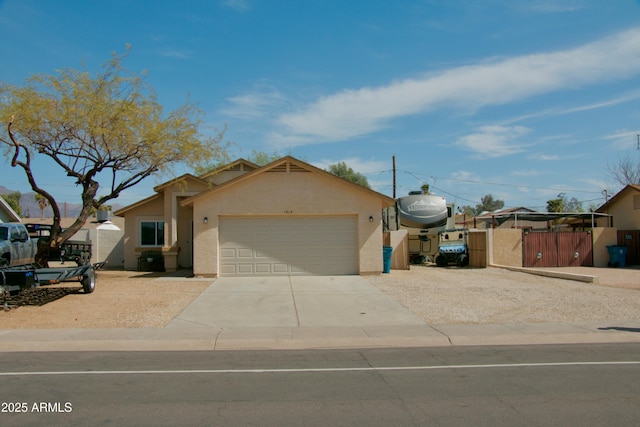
(36, 297)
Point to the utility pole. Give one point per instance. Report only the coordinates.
(394, 176)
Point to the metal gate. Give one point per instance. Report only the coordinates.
(562, 249)
(630, 239)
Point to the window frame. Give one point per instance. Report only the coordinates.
(158, 233)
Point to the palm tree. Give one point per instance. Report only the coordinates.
(42, 202)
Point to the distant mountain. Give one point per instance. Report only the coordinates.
(31, 209)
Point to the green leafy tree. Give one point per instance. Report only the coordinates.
(13, 200)
(261, 158)
(487, 204)
(343, 171)
(425, 188)
(563, 204)
(106, 132)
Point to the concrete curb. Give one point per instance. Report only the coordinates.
(548, 273)
(282, 338)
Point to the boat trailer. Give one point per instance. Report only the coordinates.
(18, 278)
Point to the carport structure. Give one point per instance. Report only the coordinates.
(566, 240)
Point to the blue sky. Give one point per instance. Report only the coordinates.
(518, 99)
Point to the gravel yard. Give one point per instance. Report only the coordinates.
(125, 299)
(492, 295)
(122, 299)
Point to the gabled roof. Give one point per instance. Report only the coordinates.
(13, 216)
(121, 212)
(240, 163)
(288, 163)
(200, 179)
(618, 196)
(186, 176)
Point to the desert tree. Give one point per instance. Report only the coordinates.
(42, 203)
(487, 204)
(13, 200)
(563, 204)
(106, 131)
(626, 170)
(343, 171)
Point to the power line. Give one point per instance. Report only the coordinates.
(505, 185)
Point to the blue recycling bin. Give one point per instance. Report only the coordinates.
(617, 256)
(386, 259)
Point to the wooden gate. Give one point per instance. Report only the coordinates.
(630, 239)
(477, 241)
(563, 249)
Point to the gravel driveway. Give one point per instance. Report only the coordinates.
(125, 299)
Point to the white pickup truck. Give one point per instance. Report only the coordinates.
(16, 246)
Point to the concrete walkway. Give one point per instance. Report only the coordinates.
(306, 313)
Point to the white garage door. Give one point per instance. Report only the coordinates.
(282, 246)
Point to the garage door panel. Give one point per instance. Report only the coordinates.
(245, 269)
(263, 268)
(245, 253)
(228, 253)
(228, 270)
(282, 246)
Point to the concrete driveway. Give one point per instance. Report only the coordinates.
(294, 302)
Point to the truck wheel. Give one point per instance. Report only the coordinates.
(441, 261)
(4, 262)
(89, 281)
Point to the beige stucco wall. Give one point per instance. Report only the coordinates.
(506, 247)
(287, 194)
(625, 217)
(603, 237)
(151, 211)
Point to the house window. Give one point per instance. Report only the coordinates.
(152, 233)
(636, 202)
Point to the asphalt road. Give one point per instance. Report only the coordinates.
(569, 385)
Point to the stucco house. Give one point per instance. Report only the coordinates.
(285, 218)
(624, 206)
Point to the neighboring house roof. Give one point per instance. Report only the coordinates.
(288, 163)
(121, 212)
(66, 222)
(11, 215)
(633, 188)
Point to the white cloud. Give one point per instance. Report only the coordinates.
(624, 139)
(544, 157)
(237, 5)
(355, 112)
(464, 176)
(253, 105)
(494, 141)
(526, 173)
